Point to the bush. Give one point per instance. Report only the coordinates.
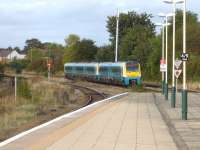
(2, 69)
(23, 88)
(18, 65)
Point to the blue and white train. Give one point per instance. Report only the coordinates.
(121, 73)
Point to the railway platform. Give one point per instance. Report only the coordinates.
(185, 133)
(129, 122)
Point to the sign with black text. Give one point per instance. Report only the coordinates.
(163, 65)
(184, 56)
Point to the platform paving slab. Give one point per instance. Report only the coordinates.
(132, 122)
(186, 133)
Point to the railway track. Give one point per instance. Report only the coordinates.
(157, 87)
(148, 86)
(92, 95)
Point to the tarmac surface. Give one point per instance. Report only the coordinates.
(132, 122)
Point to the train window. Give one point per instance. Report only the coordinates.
(132, 67)
(116, 70)
(103, 69)
(90, 69)
(68, 69)
(79, 69)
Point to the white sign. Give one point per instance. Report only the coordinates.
(184, 56)
(178, 73)
(177, 63)
(163, 68)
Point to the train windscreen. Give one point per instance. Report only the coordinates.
(132, 67)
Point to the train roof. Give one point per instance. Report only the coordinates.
(116, 63)
(101, 63)
(112, 64)
(81, 64)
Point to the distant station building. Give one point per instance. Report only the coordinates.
(7, 55)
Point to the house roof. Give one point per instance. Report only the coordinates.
(4, 52)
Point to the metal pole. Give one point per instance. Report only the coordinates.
(117, 36)
(163, 57)
(166, 75)
(15, 88)
(49, 74)
(173, 98)
(184, 92)
(31, 55)
(176, 85)
(49, 65)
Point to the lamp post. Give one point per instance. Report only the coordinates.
(163, 53)
(117, 36)
(184, 92)
(166, 51)
(173, 96)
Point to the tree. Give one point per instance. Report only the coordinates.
(105, 53)
(193, 32)
(10, 48)
(83, 51)
(86, 50)
(17, 49)
(135, 32)
(55, 53)
(33, 43)
(71, 40)
(193, 47)
(38, 62)
(128, 44)
(143, 46)
(129, 21)
(35, 54)
(18, 65)
(152, 71)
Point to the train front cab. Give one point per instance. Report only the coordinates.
(132, 74)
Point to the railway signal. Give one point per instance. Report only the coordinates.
(49, 65)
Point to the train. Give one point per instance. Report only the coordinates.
(119, 73)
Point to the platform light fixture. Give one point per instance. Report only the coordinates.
(117, 36)
(162, 25)
(173, 96)
(166, 16)
(184, 92)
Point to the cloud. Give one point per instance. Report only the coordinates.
(52, 20)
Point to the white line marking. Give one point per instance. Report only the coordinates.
(20, 135)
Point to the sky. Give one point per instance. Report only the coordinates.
(53, 20)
